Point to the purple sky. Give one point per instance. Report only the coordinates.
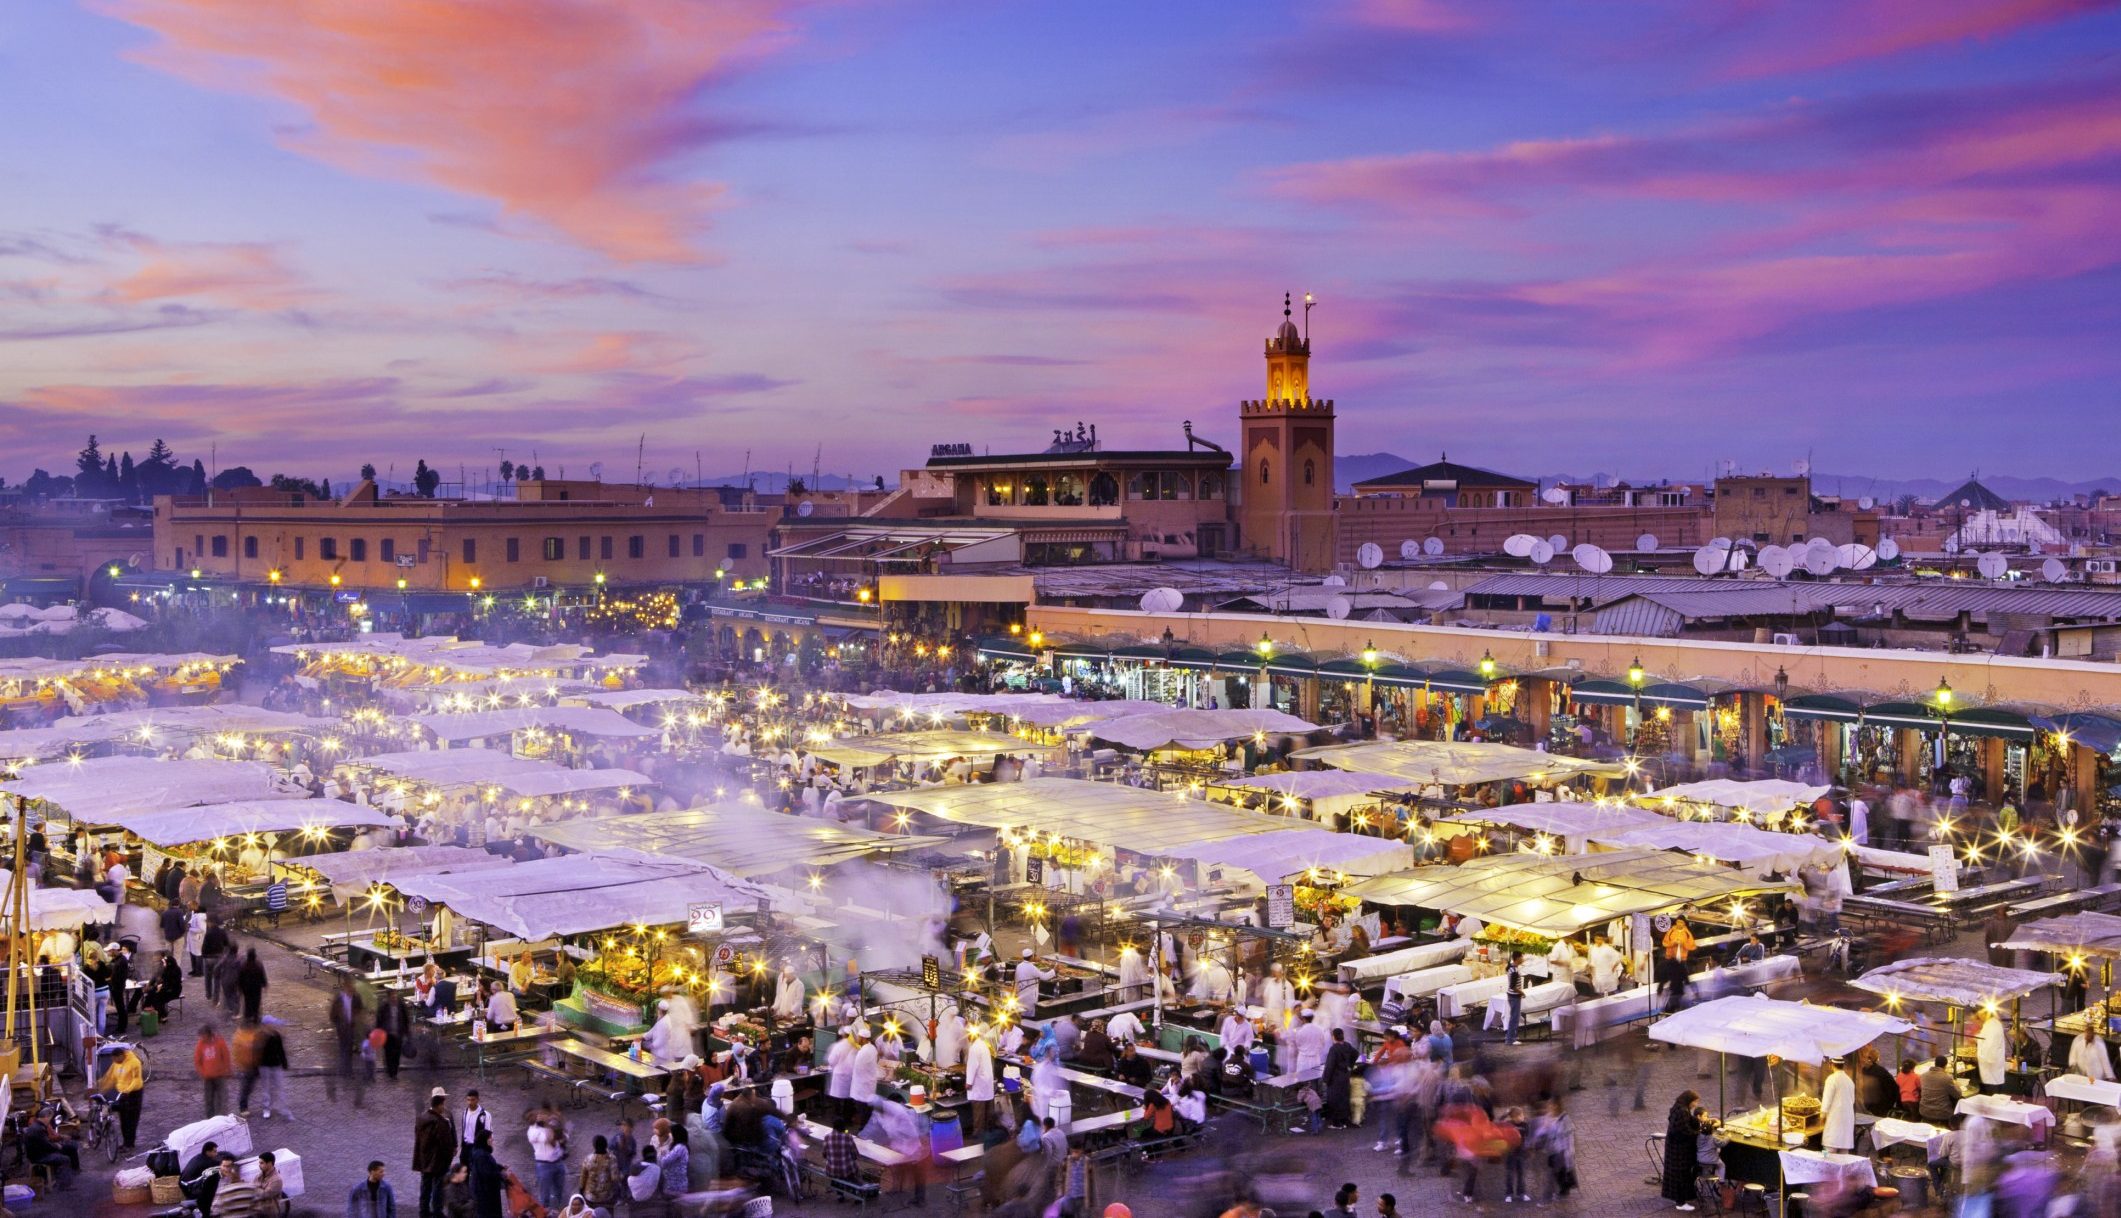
(1545, 236)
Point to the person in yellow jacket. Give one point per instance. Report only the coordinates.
(127, 1080)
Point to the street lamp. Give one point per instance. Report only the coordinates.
(1369, 655)
(1782, 683)
(1635, 679)
(1487, 665)
(1943, 696)
(1635, 673)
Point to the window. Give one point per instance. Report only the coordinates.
(515, 549)
(1211, 486)
(1141, 486)
(604, 548)
(581, 549)
(699, 545)
(1176, 485)
(636, 546)
(198, 543)
(220, 546)
(738, 549)
(1262, 471)
(389, 549)
(1000, 492)
(1310, 472)
(328, 549)
(555, 549)
(1759, 492)
(298, 550)
(471, 550)
(1036, 491)
(250, 547)
(1760, 537)
(358, 549)
(1067, 490)
(673, 545)
(1796, 537)
(1104, 490)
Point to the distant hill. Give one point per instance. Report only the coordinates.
(1350, 469)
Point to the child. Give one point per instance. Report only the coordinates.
(1910, 1084)
(1708, 1153)
(1513, 1188)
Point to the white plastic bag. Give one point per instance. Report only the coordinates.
(134, 1177)
(644, 1181)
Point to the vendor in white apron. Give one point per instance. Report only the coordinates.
(1837, 1102)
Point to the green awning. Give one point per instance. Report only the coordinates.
(1238, 661)
(1594, 692)
(1139, 651)
(1671, 693)
(1082, 651)
(1404, 675)
(1901, 714)
(1193, 657)
(1987, 721)
(1346, 670)
(1005, 646)
(1831, 707)
(1293, 664)
(1459, 681)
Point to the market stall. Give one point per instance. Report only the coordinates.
(1760, 852)
(1767, 800)
(97, 791)
(741, 839)
(1332, 797)
(1189, 729)
(587, 721)
(1549, 828)
(244, 843)
(1459, 763)
(1963, 988)
(354, 872)
(211, 729)
(927, 747)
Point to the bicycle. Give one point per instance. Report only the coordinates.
(100, 1130)
(107, 1047)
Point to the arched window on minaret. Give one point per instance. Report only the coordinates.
(1310, 472)
(1262, 471)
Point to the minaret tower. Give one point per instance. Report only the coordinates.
(1286, 511)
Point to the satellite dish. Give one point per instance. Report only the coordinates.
(1820, 562)
(1410, 549)
(1801, 468)
(596, 471)
(1339, 607)
(1888, 549)
(136, 559)
(1334, 581)
(1163, 600)
(1369, 555)
(1432, 546)
(1855, 555)
(1437, 585)
(1517, 545)
(1992, 566)
(1708, 560)
(676, 475)
(1648, 541)
(1558, 542)
(1554, 495)
(1541, 554)
(1777, 562)
(1720, 544)
(1820, 545)
(2053, 570)
(804, 508)
(1866, 503)
(1592, 559)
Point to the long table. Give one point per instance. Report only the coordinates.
(1404, 960)
(1622, 1006)
(874, 1152)
(617, 1063)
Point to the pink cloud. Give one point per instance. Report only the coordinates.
(1792, 38)
(1412, 16)
(619, 351)
(244, 275)
(568, 112)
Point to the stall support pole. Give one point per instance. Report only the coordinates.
(18, 942)
(1156, 975)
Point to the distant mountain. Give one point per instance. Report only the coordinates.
(1349, 469)
(1361, 467)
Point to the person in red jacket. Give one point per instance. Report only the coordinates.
(214, 1062)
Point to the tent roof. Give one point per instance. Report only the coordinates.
(936, 744)
(1753, 1026)
(97, 791)
(1276, 856)
(1452, 762)
(33, 668)
(580, 893)
(1762, 797)
(1321, 784)
(1757, 850)
(1561, 894)
(208, 822)
(522, 776)
(2087, 934)
(352, 871)
(1147, 822)
(741, 839)
(574, 720)
(158, 725)
(1570, 820)
(464, 655)
(1196, 729)
(1951, 980)
(627, 699)
(66, 909)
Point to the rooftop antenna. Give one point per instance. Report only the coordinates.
(640, 457)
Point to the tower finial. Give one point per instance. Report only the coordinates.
(1286, 298)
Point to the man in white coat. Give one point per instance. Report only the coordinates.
(839, 1067)
(1304, 1046)
(1276, 997)
(1237, 1033)
(979, 1080)
(1992, 1053)
(1837, 1103)
(868, 1069)
(1133, 974)
(948, 1046)
(686, 1015)
(667, 1040)
(1028, 975)
(2088, 1057)
(1605, 966)
(788, 993)
(1125, 1028)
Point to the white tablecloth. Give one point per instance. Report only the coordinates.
(1537, 999)
(1812, 1167)
(2083, 1090)
(1622, 1005)
(1455, 1000)
(1892, 1131)
(1404, 960)
(1427, 981)
(2010, 1112)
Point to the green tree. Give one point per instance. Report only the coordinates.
(425, 480)
(235, 476)
(538, 473)
(89, 461)
(368, 471)
(508, 470)
(128, 478)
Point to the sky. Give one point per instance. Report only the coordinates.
(682, 235)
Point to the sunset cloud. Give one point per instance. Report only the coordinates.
(573, 113)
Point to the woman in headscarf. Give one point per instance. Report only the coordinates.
(1681, 1128)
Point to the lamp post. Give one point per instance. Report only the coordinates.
(1369, 682)
(1942, 697)
(1636, 675)
(1265, 649)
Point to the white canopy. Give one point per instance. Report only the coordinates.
(468, 656)
(176, 826)
(627, 699)
(101, 789)
(2084, 934)
(938, 744)
(156, 726)
(580, 893)
(1759, 797)
(573, 720)
(353, 871)
(1453, 763)
(65, 909)
(32, 668)
(741, 839)
(1274, 857)
(1148, 822)
(1752, 1026)
(1561, 894)
(1572, 823)
(1404, 960)
(1951, 980)
(1322, 784)
(1195, 729)
(522, 776)
(1759, 851)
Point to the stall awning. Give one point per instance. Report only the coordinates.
(2099, 733)
(1752, 1026)
(212, 822)
(627, 699)
(1146, 822)
(1671, 693)
(151, 728)
(101, 789)
(1764, 797)
(1239, 661)
(1822, 706)
(1322, 784)
(1453, 762)
(742, 840)
(1196, 729)
(521, 776)
(1953, 981)
(2079, 934)
(581, 893)
(917, 748)
(66, 909)
(1458, 681)
(1571, 822)
(1274, 857)
(1991, 721)
(1758, 851)
(1603, 693)
(352, 872)
(1402, 676)
(1562, 894)
(574, 720)
(1005, 646)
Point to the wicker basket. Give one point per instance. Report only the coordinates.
(120, 1195)
(166, 1190)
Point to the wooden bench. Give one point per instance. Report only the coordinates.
(861, 1190)
(542, 1075)
(2066, 902)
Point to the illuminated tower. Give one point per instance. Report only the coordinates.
(1286, 448)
